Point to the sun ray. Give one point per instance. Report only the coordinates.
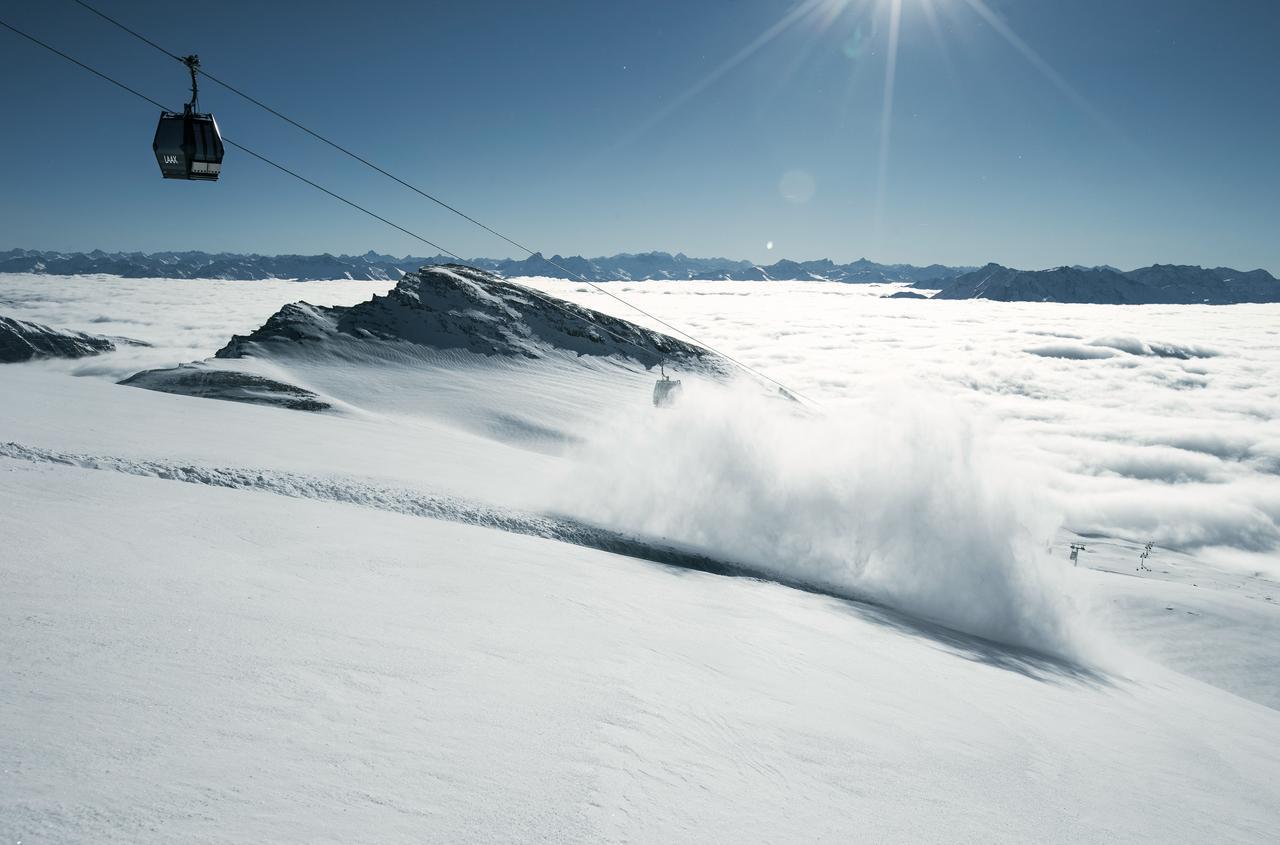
(805, 9)
(886, 120)
(1046, 70)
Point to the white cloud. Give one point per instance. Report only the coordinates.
(1154, 442)
(1172, 436)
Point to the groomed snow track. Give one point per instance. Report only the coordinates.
(396, 500)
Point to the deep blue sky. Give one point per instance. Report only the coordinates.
(1089, 131)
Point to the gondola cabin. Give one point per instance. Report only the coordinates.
(665, 391)
(188, 146)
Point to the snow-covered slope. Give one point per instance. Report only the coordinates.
(225, 622)
(23, 341)
(197, 664)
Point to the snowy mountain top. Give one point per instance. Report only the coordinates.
(452, 306)
(426, 319)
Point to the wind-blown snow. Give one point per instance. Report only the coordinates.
(894, 500)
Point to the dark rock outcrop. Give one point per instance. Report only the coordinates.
(198, 380)
(23, 341)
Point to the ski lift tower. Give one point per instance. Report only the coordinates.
(1076, 549)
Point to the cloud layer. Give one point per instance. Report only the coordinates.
(1143, 422)
(1171, 437)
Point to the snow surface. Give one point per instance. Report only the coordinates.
(397, 621)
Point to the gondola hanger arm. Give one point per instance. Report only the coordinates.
(193, 64)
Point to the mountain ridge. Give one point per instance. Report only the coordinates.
(434, 311)
(1159, 284)
(1102, 284)
(625, 266)
(457, 307)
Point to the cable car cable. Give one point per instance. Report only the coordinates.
(562, 306)
(558, 304)
(238, 146)
(440, 202)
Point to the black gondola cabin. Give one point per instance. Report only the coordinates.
(188, 145)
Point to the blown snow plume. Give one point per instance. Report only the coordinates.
(902, 503)
(431, 316)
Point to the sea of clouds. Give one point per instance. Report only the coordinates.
(1148, 423)
(181, 320)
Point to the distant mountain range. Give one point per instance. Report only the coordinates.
(1158, 284)
(371, 265)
